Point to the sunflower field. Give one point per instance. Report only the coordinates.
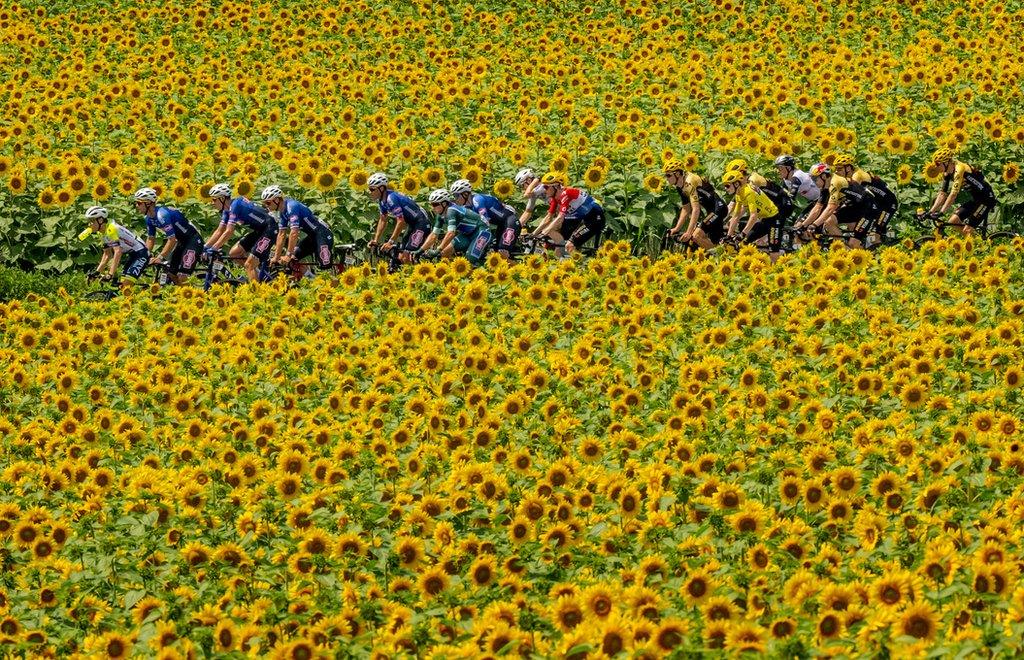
(101, 98)
(820, 456)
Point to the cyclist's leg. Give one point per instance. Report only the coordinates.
(590, 227)
(862, 228)
(134, 262)
(457, 247)
(508, 234)
(305, 247)
(414, 237)
(977, 217)
(478, 243)
(184, 258)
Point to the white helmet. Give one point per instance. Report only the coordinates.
(270, 192)
(145, 195)
(220, 190)
(96, 213)
(440, 195)
(460, 187)
(377, 180)
(524, 175)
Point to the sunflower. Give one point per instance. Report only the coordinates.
(1011, 173)
(357, 180)
(918, 621)
(503, 188)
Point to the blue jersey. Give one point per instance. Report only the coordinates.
(491, 209)
(243, 212)
(296, 215)
(171, 222)
(400, 207)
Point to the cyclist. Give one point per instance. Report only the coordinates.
(296, 218)
(533, 191)
(960, 177)
(763, 216)
(572, 212)
(120, 244)
(697, 194)
(409, 217)
(797, 182)
(461, 230)
(184, 243)
(502, 218)
(779, 195)
(885, 200)
(847, 203)
(255, 245)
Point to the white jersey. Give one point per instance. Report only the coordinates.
(117, 236)
(801, 183)
(539, 193)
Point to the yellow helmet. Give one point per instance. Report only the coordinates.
(942, 156)
(553, 177)
(842, 160)
(739, 164)
(731, 176)
(674, 165)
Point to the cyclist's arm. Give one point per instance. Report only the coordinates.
(278, 244)
(293, 239)
(225, 235)
(399, 228)
(381, 223)
(428, 242)
(115, 260)
(449, 237)
(694, 216)
(552, 223)
(827, 214)
(939, 205)
(751, 221)
(215, 240)
(734, 220)
(169, 245)
(103, 260)
(816, 210)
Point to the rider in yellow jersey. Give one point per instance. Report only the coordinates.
(697, 194)
(762, 213)
(960, 177)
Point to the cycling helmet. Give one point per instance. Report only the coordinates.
(524, 175)
(377, 180)
(820, 169)
(942, 156)
(460, 187)
(440, 196)
(553, 177)
(738, 164)
(96, 213)
(270, 192)
(145, 195)
(842, 160)
(785, 160)
(731, 176)
(674, 165)
(220, 190)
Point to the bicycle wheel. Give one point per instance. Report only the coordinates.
(1002, 237)
(922, 241)
(103, 295)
